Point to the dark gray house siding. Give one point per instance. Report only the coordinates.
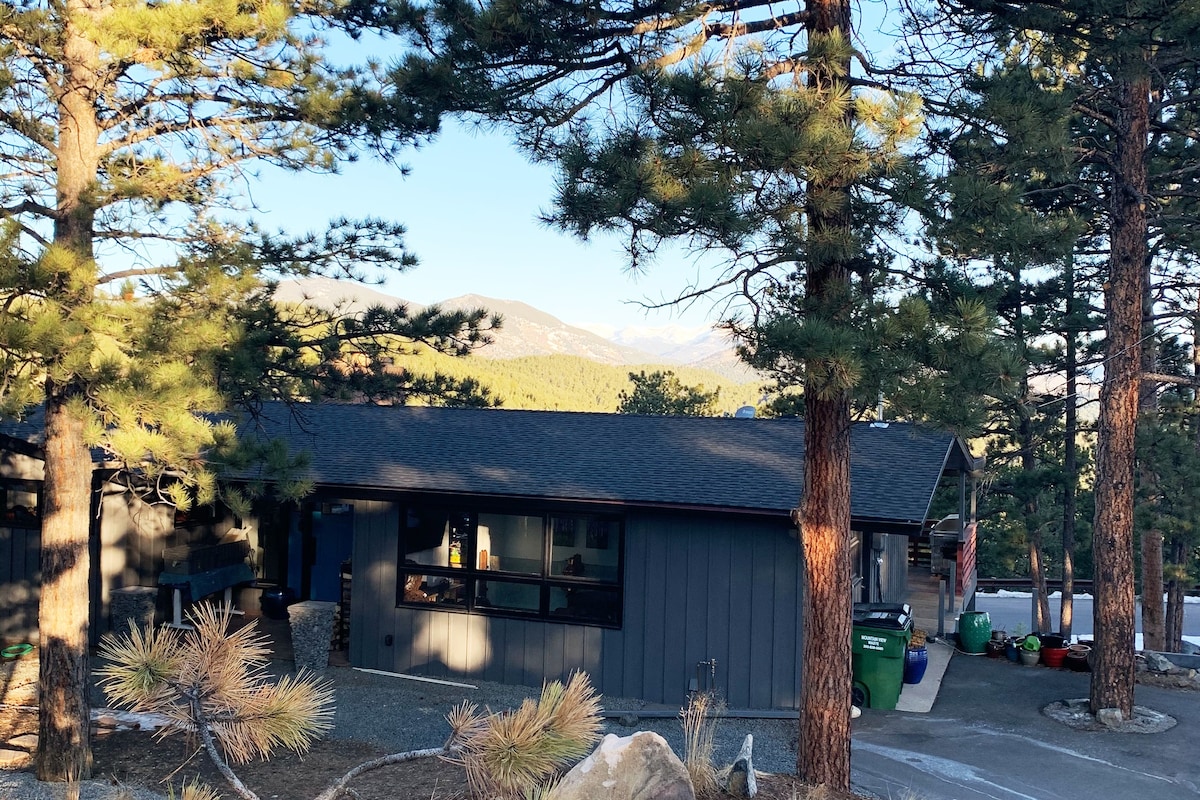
(710, 570)
(698, 588)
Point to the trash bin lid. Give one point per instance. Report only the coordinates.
(895, 617)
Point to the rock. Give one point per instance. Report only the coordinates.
(628, 720)
(14, 759)
(26, 741)
(1157, 662)
(855, 712)
(741, 782)
(1110, 717)
(636, 767)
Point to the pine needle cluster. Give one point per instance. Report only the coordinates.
(211, 683)
(513, 754)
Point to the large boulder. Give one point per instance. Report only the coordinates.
(637, 767)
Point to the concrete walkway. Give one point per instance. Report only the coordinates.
(919, 698)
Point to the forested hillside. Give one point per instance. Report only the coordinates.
(571, 383)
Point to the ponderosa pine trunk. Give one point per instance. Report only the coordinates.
(64, 751)
(1176, 592)
(1029, 506)
(825, 688)
(1112, 682)
(823, 756)
(1151, 537)
(1066, 615)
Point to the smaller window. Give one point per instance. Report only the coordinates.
(22, 506)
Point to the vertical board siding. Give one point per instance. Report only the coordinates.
(697, 588)
(895, 568)
(737, 659)
(785, 635)
(761, 620)
(20, 582)
(718, 623)
(650, 654)
(695, 564)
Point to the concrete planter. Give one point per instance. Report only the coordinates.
(312, 632)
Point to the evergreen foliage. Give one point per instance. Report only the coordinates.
(740, 132)
(135, 282)
(568, 383)
(662, 393)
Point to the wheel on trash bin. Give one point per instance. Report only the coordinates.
(859, 695)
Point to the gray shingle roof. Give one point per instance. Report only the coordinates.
(720, 463)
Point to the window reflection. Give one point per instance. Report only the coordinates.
(562, 566)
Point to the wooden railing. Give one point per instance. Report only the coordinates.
(1017, 584)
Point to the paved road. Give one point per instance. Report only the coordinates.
(1007, 612)
(986, 739)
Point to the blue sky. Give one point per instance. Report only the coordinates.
(471, 207)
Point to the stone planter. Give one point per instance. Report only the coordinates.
(132, 607)
(312, 632)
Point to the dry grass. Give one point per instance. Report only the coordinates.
(700, 717)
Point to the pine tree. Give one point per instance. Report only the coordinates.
(135, 301)
(1121, 65)
(740, 131)
(661, 392)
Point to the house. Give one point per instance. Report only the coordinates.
(654, 552)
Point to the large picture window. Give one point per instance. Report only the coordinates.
(554, 566)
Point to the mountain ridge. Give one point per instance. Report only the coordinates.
(530, 331)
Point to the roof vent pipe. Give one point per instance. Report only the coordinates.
(879, 423)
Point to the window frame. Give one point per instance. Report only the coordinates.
(8, 517)
(470, 576)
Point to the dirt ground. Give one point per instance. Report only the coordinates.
(128, 757)
(139, 758)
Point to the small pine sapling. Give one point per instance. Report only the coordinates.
(514, 754)
(211, 683)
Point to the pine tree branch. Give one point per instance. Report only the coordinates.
(335, 789)
(214, 755)
(142, 272)
(1176, 380)
(28, 207)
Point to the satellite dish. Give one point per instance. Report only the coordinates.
(745, 412)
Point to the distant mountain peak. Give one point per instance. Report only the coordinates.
(529, 331)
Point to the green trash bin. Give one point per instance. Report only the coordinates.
(877, 659)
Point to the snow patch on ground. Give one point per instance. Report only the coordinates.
(1188, 599)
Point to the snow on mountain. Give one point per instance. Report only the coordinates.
(530, 331)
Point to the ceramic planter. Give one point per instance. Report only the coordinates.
(1053, 656)
(916, 660)
(974, 629)
(1029, 658)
